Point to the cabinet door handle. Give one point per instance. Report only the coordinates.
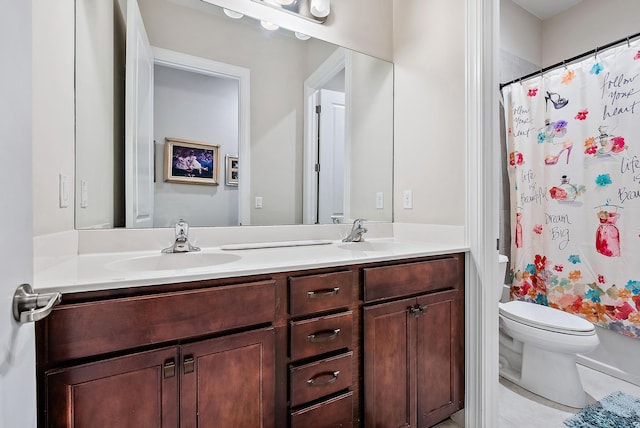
(188, 364)
(324, 336)
(317, 379)
(169, 368)
(326, 292)
(416, 310)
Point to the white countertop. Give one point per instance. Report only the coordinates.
(111, 270)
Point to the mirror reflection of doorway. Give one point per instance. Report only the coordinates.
(326, 178)
(331, 157)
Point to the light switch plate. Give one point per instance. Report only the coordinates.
(63, 187)
(258, 201)
(380, 200)
(84, 194)
(407, 199)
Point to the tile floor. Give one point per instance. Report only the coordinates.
(519, 408)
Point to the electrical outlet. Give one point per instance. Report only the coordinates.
(407, 199)
(379, 200)
(258, 202)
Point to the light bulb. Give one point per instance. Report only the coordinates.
(232, 13)
(285, 2)
(269, 25)
(301, 36)
(320, 8)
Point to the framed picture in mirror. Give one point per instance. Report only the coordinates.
(190, 162)
(232, 170)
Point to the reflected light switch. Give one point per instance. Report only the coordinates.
(379, 200)
(84, 194)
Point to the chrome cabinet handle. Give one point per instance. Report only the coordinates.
(30, 307)
(316, 294)
(333, 376)
(323, 336)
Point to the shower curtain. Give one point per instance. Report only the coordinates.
(573, 144)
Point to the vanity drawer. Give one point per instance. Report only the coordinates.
(316, 293)
(319, 335)
(320, 378)
(93, 328)
(334, 413)
(411, 278)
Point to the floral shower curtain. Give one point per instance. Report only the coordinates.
(573, 144)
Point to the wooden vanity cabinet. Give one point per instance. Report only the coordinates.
(413, 343)
(323, 371)
(374, 345)
(225, 380)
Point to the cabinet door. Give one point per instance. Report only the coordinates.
(139, 390)
(229, 381)
(389, 362)
(440, 356)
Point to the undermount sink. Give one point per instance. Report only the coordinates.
(371, 246)
(174, 261)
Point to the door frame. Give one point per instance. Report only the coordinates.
(182, 61)
(482, 24)
(339, 60)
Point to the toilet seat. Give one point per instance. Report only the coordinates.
(546, 318)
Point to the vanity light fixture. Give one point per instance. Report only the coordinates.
(320, 8)
(312, 10)
(232, 13)
(269, 25)
(301, 36)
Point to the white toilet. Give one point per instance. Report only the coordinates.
(538, 347)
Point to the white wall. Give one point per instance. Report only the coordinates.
(95, 118)
(586, 26)
(201, 108)
(429, 115)
(520, 33)
(369, 129)
(53, 112)
(361, 25)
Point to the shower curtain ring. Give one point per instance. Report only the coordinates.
(564, 64)
(595, 55)
(628, 42)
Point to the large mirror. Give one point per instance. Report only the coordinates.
(219, 121)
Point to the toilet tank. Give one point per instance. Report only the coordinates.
(503, 261)
(503, 290)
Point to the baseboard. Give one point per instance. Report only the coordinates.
(607, 369)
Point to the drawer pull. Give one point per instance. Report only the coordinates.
(169, 368)
(188, 364)
(324, 336)
(317, 379)
(327, 292)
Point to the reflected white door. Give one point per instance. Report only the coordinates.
(331, 155)
(139, 147)
(17, 342)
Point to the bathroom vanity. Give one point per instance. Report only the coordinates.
(375, 341)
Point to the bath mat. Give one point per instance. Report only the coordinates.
(616, 410)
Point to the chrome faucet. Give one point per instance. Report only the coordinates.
(357, 230)
(181, 244)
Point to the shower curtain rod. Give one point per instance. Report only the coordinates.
(570, 60)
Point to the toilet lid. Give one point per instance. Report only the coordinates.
(546, 318)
